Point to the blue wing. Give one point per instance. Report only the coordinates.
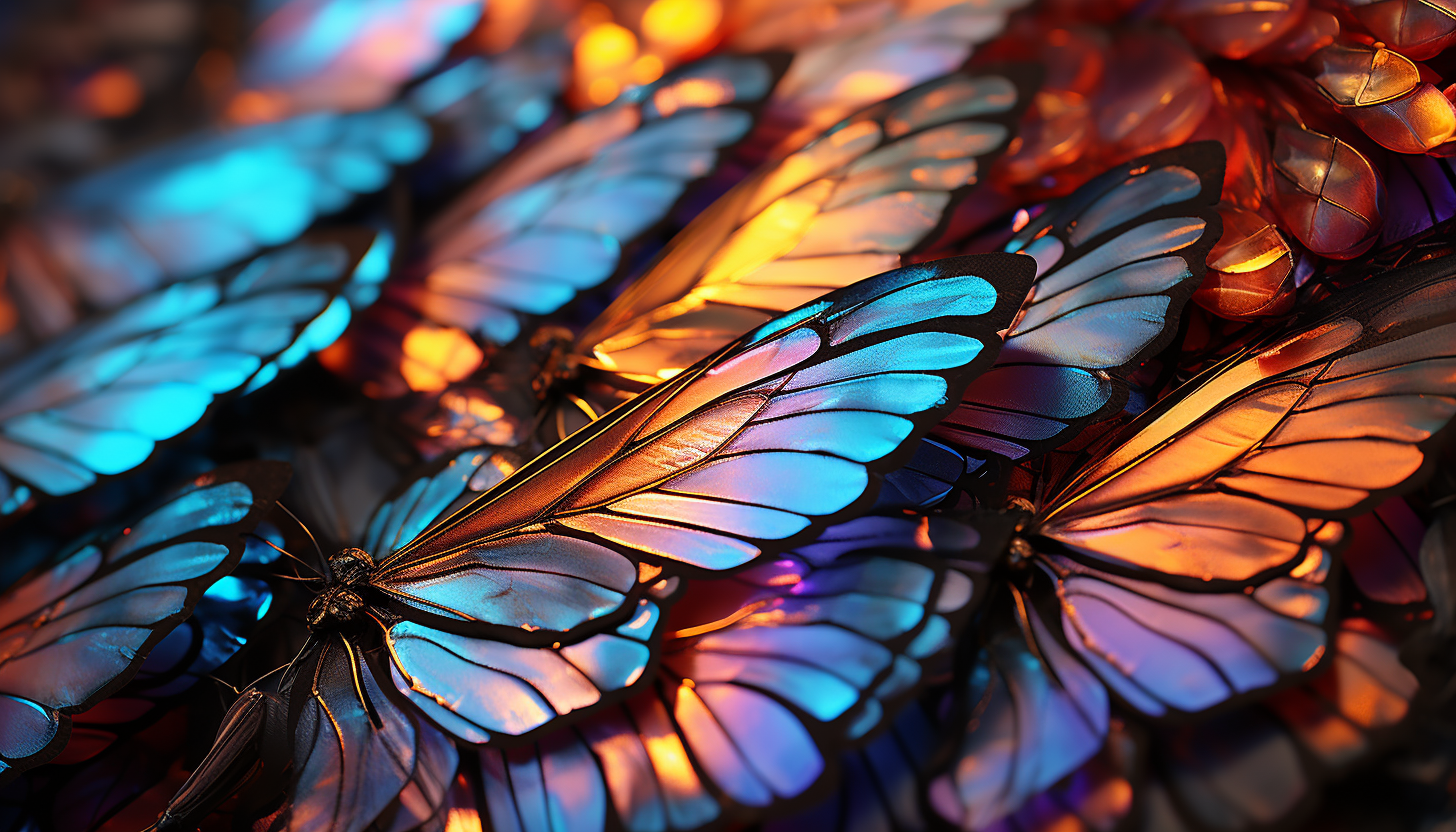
(1116, 262)
(98, 400)
(485, 106)
(205, 202)
(80, 629)
(552, 223)
(759, 677)
(346, 54)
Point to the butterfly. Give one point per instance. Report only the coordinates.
(844, 207)
(196, 205)
(98, 400)
(551, 222)
(543, 595)
(310, 55)
(1182, 563)
(80, 628)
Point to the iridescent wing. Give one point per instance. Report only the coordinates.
(485, 106)
(355, 753)
(781, 434)
(1228, 480)
(1257, 767)
(348, 55)
(1116, 262)
(205, 202)
(553, 221)
(97, 401)
(1383, 556)
(77, 631)
(760, 675)
(846, 206)
(850, 55)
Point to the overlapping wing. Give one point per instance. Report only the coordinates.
(1116, 262)
(846, 206)
(97, 401)
(354, 751)
(553, 221)
(205, 202)
(1257, 767)
(775, 438)
(1035, 716)
(743, 455)
(757, 681)
(349, 55)
(848, 56)
(80, 629)
(1228, 480)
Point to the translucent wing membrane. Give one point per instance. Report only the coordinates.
(844, 207)
(97, 401)
(206, 202)
(767, 442)
(355, 752)
(741, 456)
(332, 55)
(1116, 262)
(761, 671)
(1037, 715)
(78, 630)
(1224, 481)
(1257, 767)
(854, 57)
(553, 222)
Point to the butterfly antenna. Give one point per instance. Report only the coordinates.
(301, 525)
(282, 551)
(227, 685)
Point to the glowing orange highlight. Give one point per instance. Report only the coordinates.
(111, 93)
(604, 47)
(681, 24)
(434, 357)
(256, 107)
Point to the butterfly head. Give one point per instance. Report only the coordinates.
(340, 602)
(351, 567)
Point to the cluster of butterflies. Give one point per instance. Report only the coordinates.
(458, 464)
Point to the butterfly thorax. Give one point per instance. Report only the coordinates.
(554, 359)
(340, 602)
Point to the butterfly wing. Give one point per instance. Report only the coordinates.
(326, 55)
(80, 629)
(762, 446)
(848, 58)
(844, 207)
(762, 670)
(554, 221)
(97, 401)
(205, 202)
(1116, 262)
(355, 752)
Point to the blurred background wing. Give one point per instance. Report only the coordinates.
(96, 401)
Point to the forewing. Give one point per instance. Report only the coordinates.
(208, 201)
(554, 220)
(316, 55)
(782, 434)
(1116, 262)
(846, 206)
(98, 400)
(1229, 479)
(80, 629)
